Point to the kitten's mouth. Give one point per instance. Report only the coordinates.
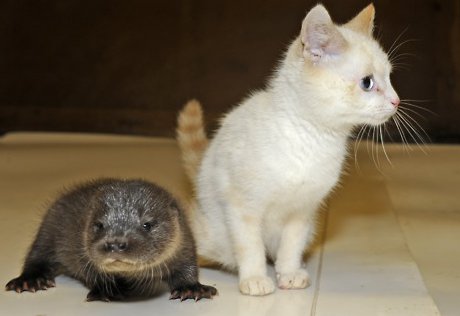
(381, 117)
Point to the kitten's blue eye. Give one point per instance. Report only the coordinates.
(367, 83)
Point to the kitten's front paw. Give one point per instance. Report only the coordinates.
(259, 285)
(295, 280)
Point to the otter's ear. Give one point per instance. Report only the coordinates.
(175, 207)
(363, 22)
(319, 35)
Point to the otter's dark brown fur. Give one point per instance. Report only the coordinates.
(121, 238)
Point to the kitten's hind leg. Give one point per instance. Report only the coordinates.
(289, 273)
(249, 250)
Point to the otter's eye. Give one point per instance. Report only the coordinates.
(147, 226)
(367, 83)
(98, 226)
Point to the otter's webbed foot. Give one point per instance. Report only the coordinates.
(193, 291)
(97, 295)
(30, 283)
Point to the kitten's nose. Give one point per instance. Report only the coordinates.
(395, 102)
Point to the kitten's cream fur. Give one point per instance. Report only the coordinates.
(280, 152)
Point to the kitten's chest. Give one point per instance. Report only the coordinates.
(309, 165)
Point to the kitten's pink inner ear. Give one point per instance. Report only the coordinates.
(364, 21)
(320, 36)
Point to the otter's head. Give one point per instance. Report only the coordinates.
(134, 225)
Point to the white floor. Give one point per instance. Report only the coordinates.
(389, 246)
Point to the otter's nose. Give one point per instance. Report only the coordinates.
(116, 246)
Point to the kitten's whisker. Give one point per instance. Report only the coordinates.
(371, 141)
(377, 153)
(367, 141)
(401, 133)
(383, 145)
(418, 107)
(359, 137)
(378, 30)
(404, 55)
(398, 61)
(412, 111)
(408, 128)
(388, 133)
(401, 56)
(395, 49)
(400, 66)
(411, 119)
(396, 40)
(372, 149)
(417, 100)
(397, 68)
(375, 143)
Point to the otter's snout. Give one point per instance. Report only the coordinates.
(116, 245)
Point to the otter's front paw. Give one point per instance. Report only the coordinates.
(30, 283)
(295, 280)
(195, 291)
(257, 286)
(96, 295)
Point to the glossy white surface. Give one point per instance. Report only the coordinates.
(389, 245)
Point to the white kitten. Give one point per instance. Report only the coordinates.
(279, 153)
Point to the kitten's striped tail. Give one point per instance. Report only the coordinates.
(192, 141)
(191, 137)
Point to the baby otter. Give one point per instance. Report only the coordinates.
(120, 238)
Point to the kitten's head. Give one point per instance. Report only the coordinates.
(348, 69)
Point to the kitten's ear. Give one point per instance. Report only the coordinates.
(364, 21)
(319, 35)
